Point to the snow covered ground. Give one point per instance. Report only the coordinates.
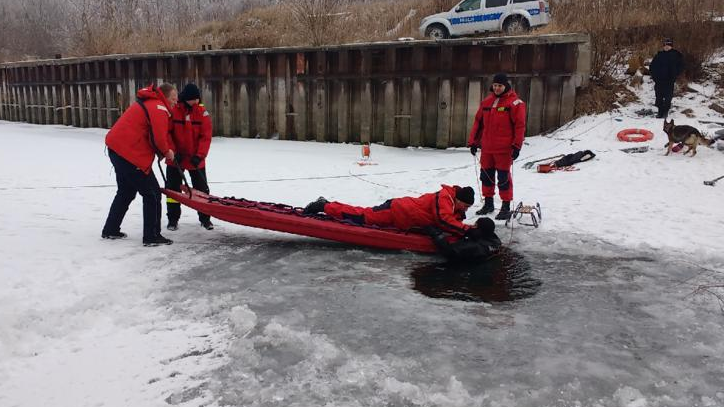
(239, 316)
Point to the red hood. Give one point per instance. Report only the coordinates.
(152, 92)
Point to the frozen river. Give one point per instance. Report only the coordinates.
(317, 324)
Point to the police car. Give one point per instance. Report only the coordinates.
(471, 17)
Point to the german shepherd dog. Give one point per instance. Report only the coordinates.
(688, 135)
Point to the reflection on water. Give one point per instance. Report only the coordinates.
(503, 277)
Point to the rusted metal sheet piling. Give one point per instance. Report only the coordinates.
(416, 93)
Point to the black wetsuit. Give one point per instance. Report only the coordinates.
(466, 248)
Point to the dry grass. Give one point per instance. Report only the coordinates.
(601, 97)
(282, 24)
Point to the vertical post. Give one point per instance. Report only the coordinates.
(64, 96)
(445, 100)
(366, 97)
(88, 101)
(278, 80)
(244, 108)
(109, 91)
(47, 93)
(28, 95)
(82, 114)
(225, 106)
(319, 109)
(3, 97)
(416, 97)
(130, 84)
(12, 79)
(536, 100)
(160, 71)
(343, 98)
(299, 98)
(209, 85)
(17, 95)
(54, 92)
(72, 92)
(262, 101)
(552, 107)
(568, 99)
(390, 111)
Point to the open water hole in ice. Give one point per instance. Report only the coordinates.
(316, 323)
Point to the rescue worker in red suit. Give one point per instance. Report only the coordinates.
(133, 141)
(190, 139)
(498, 132)
(444, 209)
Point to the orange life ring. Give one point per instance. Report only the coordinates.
(635, 135)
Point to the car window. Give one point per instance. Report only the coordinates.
(523, 1)
(468, 5)
(495, 3)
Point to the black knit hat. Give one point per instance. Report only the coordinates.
(501, 79)
(190, 92)
(466, 194)
(669, 42)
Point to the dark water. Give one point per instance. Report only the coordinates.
(309, 323)
(506, 276)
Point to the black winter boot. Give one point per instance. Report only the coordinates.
(114, 235)
(505, 212)
(157, 241)
(172, 225)
(206, 223)
(488, 207)
(315, 207)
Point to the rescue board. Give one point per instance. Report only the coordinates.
(289, 219)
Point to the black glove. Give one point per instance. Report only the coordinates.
(473, 150)
(516, 152)
(177, 158)
(195, 161)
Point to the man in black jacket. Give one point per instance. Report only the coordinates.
(665, 67)
(478, 243)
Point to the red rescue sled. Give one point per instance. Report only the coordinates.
(285, 218)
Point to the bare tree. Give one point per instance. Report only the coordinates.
(319, 20)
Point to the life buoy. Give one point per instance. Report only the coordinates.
(635, 135)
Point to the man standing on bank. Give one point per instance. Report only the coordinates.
(666, 66)
(138, 135)
(498, 132)
(190, 139)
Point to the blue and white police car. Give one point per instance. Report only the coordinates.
(470, 17)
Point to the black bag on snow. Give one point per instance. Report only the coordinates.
(570, 159)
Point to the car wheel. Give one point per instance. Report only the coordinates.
(437, 32)
(516, 25)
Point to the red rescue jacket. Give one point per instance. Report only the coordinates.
(436, 208)
(130, 137)
(190, 133)
(499, 124)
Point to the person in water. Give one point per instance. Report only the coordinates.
(479, 242)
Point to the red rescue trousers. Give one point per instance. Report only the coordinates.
(500, 163)
(379, 216)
